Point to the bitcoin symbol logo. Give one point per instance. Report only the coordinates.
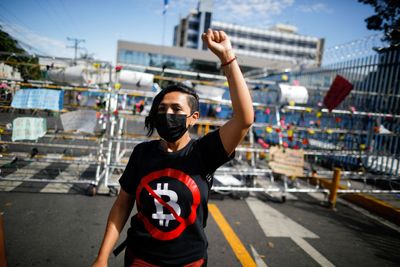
(173, 198)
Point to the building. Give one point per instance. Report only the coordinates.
(182, 58)
(279, 43)
(188, 32)
(259, 51)
(282, 42)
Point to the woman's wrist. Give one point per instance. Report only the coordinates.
(102, 258)
(227, 56)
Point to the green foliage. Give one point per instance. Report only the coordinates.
(12, 54)
(386, 19)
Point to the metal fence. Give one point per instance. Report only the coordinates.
(361, 135)
(369, 117)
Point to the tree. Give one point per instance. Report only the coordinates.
(11, 53)
(386, 19)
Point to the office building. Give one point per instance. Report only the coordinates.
(182, 58)
(279, 43)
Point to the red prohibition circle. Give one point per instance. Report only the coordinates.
(183, 223)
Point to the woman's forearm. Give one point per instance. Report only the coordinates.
(234, 130)
(117, 218)
(240, 95)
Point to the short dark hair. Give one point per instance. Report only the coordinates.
(192, 97)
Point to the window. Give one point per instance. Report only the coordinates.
(194, 25)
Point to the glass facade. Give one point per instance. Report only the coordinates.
(157, 60)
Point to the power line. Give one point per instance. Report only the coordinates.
(76, 45)
(52, 16)
(70, 18)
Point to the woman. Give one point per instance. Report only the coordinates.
(170, 178)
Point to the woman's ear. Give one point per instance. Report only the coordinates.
(196, 115)
(194, 118)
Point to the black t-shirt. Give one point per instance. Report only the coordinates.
(171, 193)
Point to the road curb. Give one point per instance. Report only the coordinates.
(367, 202)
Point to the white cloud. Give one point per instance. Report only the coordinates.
(315, 8)
(250, 11)
(49, 46)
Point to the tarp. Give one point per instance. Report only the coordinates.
(38, 99)
(80, 121)
(26, 128)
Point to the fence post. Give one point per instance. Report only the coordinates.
(334, 187)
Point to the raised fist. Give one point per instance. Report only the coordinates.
(218, 42)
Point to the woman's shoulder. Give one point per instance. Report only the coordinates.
(147, 144)
(207, 137)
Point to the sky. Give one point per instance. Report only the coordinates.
(46, 24)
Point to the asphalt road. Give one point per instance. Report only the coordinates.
(43, 229)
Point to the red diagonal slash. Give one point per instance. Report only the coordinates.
(183, 223)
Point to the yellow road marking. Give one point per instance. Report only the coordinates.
(237, 246)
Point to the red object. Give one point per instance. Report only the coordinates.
(118, 68)
(285, 144)
(228, 62)
(388, 118)
(305, 141)
(340, 88)
(296, 147)
(338, 119)
(135, 261)
(290, 138)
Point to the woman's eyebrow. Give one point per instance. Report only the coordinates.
(176, 105)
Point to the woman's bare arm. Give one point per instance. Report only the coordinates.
(234, 130)
(117, 218)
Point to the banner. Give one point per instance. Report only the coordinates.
(26, 128)
(289, 162)
(80, 121)
(38, 99)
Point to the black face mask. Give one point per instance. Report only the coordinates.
(171, 127)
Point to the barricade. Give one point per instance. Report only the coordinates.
(364, 143)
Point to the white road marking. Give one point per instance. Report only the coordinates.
(276, 224)
(69, 174)
(24, 173)
(312, 252)
(259, 261)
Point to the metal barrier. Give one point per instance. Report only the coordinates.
(361, 136)
(372, 119)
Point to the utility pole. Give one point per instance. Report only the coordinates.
(76, 45)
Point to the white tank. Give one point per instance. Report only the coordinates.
(288, 93)
(130, 79)
(75, 75)
(209, 92)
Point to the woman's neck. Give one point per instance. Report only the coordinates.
(179, 144)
